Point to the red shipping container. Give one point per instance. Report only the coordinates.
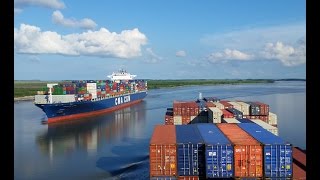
(248, 155)
(168, 120)
(226, 104)
(188, 178)
(299, 156)
(226, 114)
(264, 108)
(185, 108)
(298, 173)
(186, 119)
(163, 151)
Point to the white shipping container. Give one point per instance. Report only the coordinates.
(91, 84)
(273, 119)
(177, 120)
(214, 114)
(235, 105)
(44, 99)
(244, 108)
(266, 126)
(230, 120)
(218, 105)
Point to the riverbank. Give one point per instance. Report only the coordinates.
(25, 98)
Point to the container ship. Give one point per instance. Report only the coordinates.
(211, 138)
(83, 98)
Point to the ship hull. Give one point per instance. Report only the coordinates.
(75, 110)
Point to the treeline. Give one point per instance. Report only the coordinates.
(30, 88)
(154, 84)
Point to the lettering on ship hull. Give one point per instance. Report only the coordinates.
(121, 100)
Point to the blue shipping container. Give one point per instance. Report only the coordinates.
(190, 151)
(218, 152)
(277, 153)
(244, 120)
(235, 112)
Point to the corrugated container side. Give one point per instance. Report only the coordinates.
(168, 120)
(218, 152)
(244, 107)
(299, 156)
(214, 115)
(273, 119)
(264, 108)
(190, 151)
(163, 153)
(177, 120)
(248, 157)
(298, 173)
(186, 119)
(277, 152)
(254, 109)
(266, 126)
(230, 120)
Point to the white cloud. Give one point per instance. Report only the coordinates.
(152, 57)
(181, 53)
(103, 43)
(58, 18)
(252, 38)
(228, 54)
(53, 4)
(286, 54)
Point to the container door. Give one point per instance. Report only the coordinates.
(162, 160)
(278, 160)
(219, 160)
(190, 160)
(248, 161)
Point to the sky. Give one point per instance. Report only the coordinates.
(167, 39)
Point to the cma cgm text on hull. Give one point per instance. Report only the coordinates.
(84, 98)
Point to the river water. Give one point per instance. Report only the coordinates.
(115, 145)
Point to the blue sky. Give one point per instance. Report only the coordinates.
(177, 39)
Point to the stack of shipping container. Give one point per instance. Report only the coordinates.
(188, 112)
(237, 140)
(93, 89)
(222, 150)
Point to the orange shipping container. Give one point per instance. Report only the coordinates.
(298, 173)
(248, 157)
(163, 151)
(299, 156)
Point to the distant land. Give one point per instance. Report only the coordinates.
(28, 88)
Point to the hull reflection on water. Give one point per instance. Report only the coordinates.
(91, 133)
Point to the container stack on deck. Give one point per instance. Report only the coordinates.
(233, 139)
(84, 90)
(185, 112)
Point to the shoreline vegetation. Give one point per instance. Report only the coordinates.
(26, 89)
